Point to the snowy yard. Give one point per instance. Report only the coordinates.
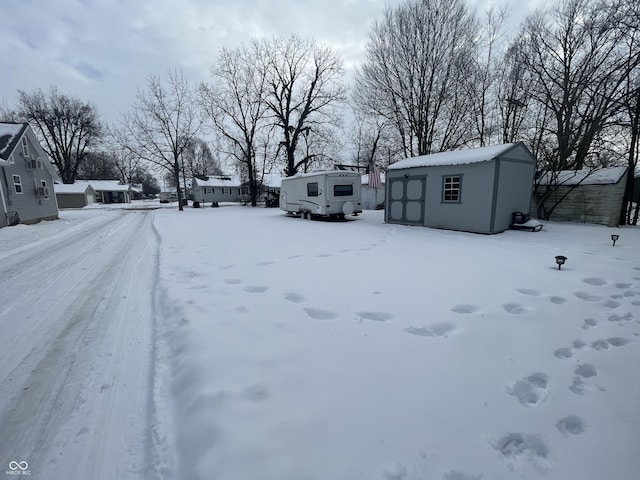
(289, 349)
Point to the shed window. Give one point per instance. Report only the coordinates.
(17, 183)
(451, 189)
(208, 190)
(25, 147)
(226, 191)
(343, 190)
(312, 189)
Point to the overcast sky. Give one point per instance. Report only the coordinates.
(103, 50)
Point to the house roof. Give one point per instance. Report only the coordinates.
(217, 181)
(10, 134)
(602, 176)
(64, 188)
(455, 157)
(105, 185)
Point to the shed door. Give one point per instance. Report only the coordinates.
(407, 200)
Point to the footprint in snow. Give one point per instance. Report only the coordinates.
(322, 255)
(516, 447)
(588, 297)
(456, 475)
(225, 267)
(616, 317)
(596, 281)
(530, 391)
(294, 297)
(558, 300)
(319, 314)
(375, 316)
(263, 264)
(255, 289)
(636, 303)
(629, 293)
(571, 425)
(528, 291)
(442, 329)
(589, 323)
(232, 281)
(622, 285)
(465, 308)
(515, 308)
(612, 304)
(584, 371)
(563, 353)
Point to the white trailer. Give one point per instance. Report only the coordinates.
(334, 193)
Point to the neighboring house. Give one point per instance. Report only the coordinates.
(75, 195)
(474, 190)
(587, 196)
(216, 188)
(372, 198)
(109, 191)
(26, 177)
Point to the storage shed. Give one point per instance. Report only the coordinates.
(587, 196)
(75, 195)
(474, 190)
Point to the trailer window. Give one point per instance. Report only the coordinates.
(312, 189)
(343, 190)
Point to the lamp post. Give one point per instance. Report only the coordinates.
(614, 237)
(560, 259)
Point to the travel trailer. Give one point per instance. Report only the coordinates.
(333, 194)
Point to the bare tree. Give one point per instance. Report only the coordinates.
(235, 107)
(162, 122)
(67, 127)
(414, 75)
(304, 92)
(198, 159)
(576, 54)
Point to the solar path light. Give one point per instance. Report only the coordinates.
(560, 259)
(614, 237)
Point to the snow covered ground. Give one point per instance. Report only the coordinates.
(287, 349)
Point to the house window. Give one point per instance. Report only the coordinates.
(226, 191)
(451, 189)
(17, 183)
(343, 190)
(312, 189)
(25, 147)
(208, 190)
(43, 191)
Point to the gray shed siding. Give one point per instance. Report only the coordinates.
(29, 205)
(476, 192)
(513, 193)
(599, 204)
(71, 200)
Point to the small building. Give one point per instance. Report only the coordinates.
(474, 190)
(26, 177)
(372, 196)
(75, 195)
(216, 188)
(109, 191)
(586, 196)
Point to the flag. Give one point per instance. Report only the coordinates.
(374, 177)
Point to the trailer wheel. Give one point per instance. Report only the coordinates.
(308, 216)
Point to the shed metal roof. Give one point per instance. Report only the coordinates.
(455, 157)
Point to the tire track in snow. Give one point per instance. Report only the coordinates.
(76, 404)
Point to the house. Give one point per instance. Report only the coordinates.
(372, 195)
(26, 177)
(587, 196)
(75, 195)
(474, 190)
(216, 188)
(109, 191)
